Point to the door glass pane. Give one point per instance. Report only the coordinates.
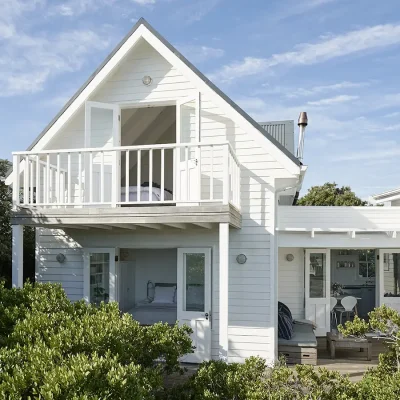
(99, 277)
(391, 275)
(317, 275)
(194, 281)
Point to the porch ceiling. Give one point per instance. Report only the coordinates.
(132, 218)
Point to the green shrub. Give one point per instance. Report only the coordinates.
(254, 380)
(55, 349)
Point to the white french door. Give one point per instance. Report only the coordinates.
(187, 163)
(194, 299)
(389, 278)
(102, 130)
(99, 278)
(317, 289)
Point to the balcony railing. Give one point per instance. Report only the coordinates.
(190, 174)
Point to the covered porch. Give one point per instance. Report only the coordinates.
(328, 255)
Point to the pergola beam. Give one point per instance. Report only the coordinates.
(205, 225)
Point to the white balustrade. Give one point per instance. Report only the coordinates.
(189, 174)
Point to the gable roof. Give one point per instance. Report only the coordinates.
(143, 22)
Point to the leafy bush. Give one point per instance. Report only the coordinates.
(55, 349)
(385, 322)
(254, 380)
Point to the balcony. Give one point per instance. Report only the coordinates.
(185, 176)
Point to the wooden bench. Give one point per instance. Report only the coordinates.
(301, 348)
(336, 341)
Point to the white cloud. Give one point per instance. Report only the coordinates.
(369, 38)
(27, 62)
(199, 54)
(392, 115)
(144, 2)
(195, 11)
(73, 8)
(333, 100)
(326, 88)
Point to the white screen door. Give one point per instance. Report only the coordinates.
(99, 283)
(194, 299)
(188, 131)
(317, 289)
(102, 169)
(389, 278)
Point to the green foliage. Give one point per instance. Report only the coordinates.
(330, 194)
(385, 322)
(55, 349)
(254, 380)
(5, 232)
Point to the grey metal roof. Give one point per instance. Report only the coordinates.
(142, 21)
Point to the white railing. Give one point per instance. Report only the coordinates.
(126, 176)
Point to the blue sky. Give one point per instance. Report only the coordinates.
(339, 60)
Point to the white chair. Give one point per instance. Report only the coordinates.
(333, 311)
(349, 303)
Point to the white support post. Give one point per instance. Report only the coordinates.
(226, 185)
(223, 290)
(17, 255)
(16, 162)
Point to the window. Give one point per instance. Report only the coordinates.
(317, 275)
(366, 263)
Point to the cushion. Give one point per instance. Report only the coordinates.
(285, 309)
(303, 336)
(164, 294)
(285, 326)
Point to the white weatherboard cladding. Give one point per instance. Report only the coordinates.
(251, 329)
(291, 280)
(51, 242)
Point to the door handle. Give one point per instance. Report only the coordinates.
(207, 315)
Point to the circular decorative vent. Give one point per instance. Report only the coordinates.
(147, 80)
(241, 259)
(60, 258)
(290, 257)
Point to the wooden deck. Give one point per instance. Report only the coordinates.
(349, 362)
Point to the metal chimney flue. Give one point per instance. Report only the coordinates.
(302, 123)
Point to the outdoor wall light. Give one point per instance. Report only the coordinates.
(147, 80)
(241, 259)
(60, 257)
(290, 257)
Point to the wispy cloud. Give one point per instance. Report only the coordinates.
(196, 11)
(300, 7)
(333, 100)
(369, 38)
(392, 115)
(300, 92)
(27, 61)
(144, 2)
(200, 54)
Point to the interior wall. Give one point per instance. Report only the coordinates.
(291, 280)
(156, 265)
(346, 276)
(161, 130)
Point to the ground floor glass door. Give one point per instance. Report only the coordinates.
(99, 275)
(194, 299)
(389, 278)
(317, 289)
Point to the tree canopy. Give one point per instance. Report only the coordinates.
(329, 194)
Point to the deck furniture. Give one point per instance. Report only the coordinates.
(336, 341)
(302, 347)
(349, 304)
(333, 311)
